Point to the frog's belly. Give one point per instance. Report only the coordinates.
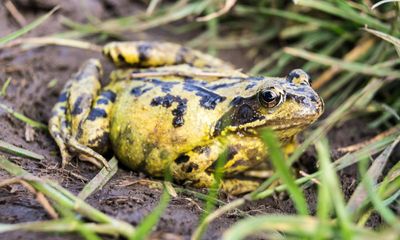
(144, 136)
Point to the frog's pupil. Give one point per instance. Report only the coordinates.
(268, 96)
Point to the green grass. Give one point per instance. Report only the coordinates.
(352, 53)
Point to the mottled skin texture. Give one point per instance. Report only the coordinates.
(168, 106)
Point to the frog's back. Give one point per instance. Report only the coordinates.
(162, 117)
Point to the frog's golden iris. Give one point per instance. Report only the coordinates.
(168, 106)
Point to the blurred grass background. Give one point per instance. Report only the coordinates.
(350, 48)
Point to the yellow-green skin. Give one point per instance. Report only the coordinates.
(179, 109)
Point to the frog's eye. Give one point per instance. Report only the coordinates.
(269, 98)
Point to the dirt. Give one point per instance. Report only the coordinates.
(29, 93)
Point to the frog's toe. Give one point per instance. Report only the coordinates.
(65, 156)
(87, 154)
(90, 159)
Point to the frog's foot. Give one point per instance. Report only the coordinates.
(154, 54)
(65, 143)
(239, 186)
(78, 127)
(54, 128)
(87, 154)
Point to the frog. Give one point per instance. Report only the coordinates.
(170, 108)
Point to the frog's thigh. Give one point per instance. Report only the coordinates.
(153, 54)
(192, 165)
(58, 123)
(81, 91)
(95, 128)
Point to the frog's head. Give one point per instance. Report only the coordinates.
(287, 105)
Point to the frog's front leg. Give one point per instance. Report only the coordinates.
(155, 54)
(198, 165)
(290, 146)
(79, 122)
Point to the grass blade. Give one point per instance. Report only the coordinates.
(27, 28)
(65, 199)
(3, 91)
(348, 13)
(330, 179)
(379, 206)
(100, 179)
(283, 169)
(374, 172)
(300, 226)
(212, 194)
(23, 118)
(393, 40)
(7, 147)
(344, 65)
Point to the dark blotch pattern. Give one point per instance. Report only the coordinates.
(97, 113)
(102, 101)
(167, 101)
(144, 51)
(108, 94)
(77, 109)
(246, 114)
(165, 86)
(208, 99)
(100, 142)
(63, 97)
(138, 91)
(202, 150)
(232, 151)
(182, 159)
(292, 75)
(121, 58)
(236, 101)
(105, 97)
(221, 85)
(218, 128)
(240, 162)
(297, 98)
(190, 167)
(250, 85)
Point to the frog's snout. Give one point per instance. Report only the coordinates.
(318, 108)
(298, 77)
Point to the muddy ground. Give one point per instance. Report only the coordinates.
(29, 93)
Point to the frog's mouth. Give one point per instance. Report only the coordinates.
(293, 123)
(278, 124)
(291, 127)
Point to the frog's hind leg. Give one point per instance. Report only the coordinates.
(75, 124)
(58, 123)
(155, 54)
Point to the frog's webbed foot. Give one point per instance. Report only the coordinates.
(155, 54)
(73, 124)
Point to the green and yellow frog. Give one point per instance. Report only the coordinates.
(172, 107)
